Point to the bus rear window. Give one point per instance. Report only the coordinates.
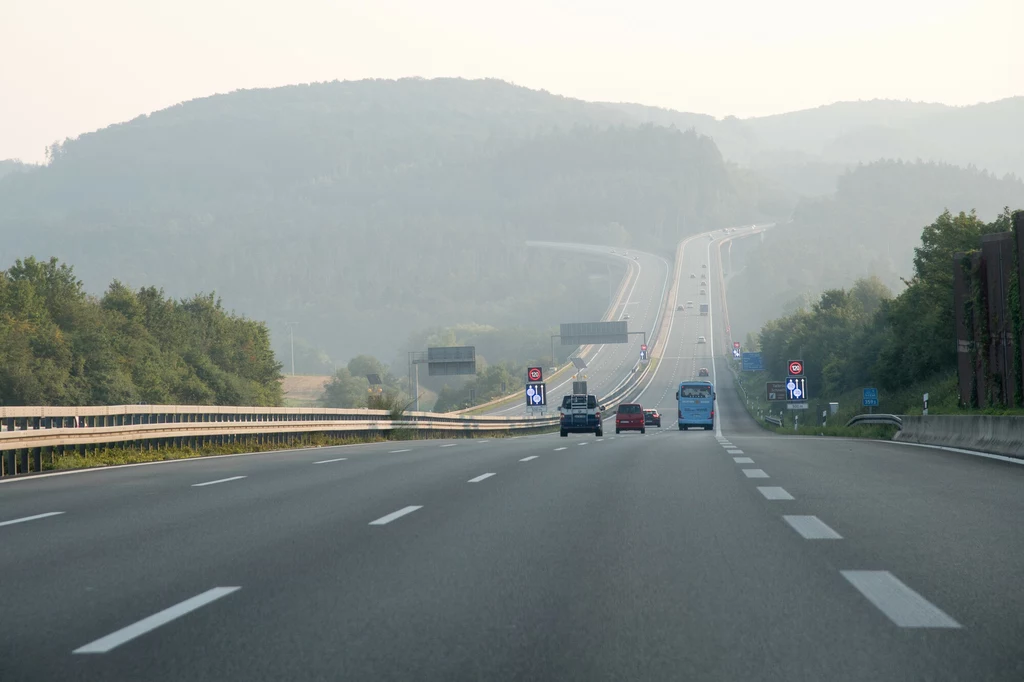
(695, 392)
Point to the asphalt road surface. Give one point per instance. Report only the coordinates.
(697, 555)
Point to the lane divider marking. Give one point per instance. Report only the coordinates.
(901, 604)
(220, 480)
(137, 629)
(384, 520)
(812, 528)
(774, 493)
(479, 478)
(30, 518)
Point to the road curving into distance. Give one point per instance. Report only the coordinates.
(698, 555)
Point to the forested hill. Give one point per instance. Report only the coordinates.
(869, 227)
(365, 211)
(60, 346)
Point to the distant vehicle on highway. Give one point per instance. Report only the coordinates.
(652, 417)
(704, 265)
(693, 276)
(630, 417)
(703, 292)
(580, 413)
(625, 316)
(680, 307)
(689, 304)
(703, 372)
(704, 309)
(696, 404)
(701, 339)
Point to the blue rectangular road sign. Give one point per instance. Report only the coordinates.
(870, 397)
(752, 362)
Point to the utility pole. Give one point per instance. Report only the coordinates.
(291, 336)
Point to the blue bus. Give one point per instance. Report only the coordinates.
(696, 404)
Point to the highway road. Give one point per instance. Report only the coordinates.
(609, 364)
(698, 555)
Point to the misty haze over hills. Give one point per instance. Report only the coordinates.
(367, 211)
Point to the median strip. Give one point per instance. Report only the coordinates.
(126, 634)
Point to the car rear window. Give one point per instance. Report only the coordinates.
(629, 409)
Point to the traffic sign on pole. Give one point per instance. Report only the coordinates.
(534, 374)
(796, 368)
(536, 395)
(796, 389)
(735, 344)
(870, 398)
(776, 390)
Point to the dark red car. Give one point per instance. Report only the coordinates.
(630, 417)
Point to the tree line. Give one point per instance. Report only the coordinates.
(866, 336)
(61, 346)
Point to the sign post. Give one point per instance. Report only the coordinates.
(752, 362)
(925, 404)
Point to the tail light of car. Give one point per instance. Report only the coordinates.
(712, 413)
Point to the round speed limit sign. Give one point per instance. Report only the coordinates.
(796, 368)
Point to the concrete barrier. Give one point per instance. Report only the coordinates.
(995, 434)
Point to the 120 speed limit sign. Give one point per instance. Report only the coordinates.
(796, 368)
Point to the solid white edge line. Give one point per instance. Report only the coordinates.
(811, 527)
(388, 518)
(392, 452)
(774, 493)
(479, 478)
(126, 634)
(527, 459)
(899, 602)
(947, 448)
(30, 518)
(328, 461)
(219, 480)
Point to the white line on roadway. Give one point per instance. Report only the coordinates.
(527, 459)
(479, 478)
(126, 634)
(755, 473)
(774, 493)
(580, 443)
(29, 518)
(391, 452)
(559, 449)
(987, 455)
(742, 460)
(812, 528)
(219, 480)
(328, 461)
(733, 451)
(904, 607)
(449, 445)
(384, 520)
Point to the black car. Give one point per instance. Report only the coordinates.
(652, 418)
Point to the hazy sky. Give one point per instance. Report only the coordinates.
(71, 66)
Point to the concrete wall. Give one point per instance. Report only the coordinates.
(998, 435)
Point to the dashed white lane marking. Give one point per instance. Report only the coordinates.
(126, 634)
(527, 459)
(328, 461)
(30, 518)
(580, 443)
(479, 478)
(391, 452)
(734, 452)
(600, 439)
(755, 473)
(742, 460)
(559, 449)
(902, 605)
(449, 445)
(384, 520)
(220, 480)
(774, 493)
(812, 528)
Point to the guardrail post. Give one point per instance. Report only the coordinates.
(9, 463)
(37, 464)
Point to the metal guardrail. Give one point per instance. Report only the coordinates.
(892, 419)
(34, 432)
(774, 421)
